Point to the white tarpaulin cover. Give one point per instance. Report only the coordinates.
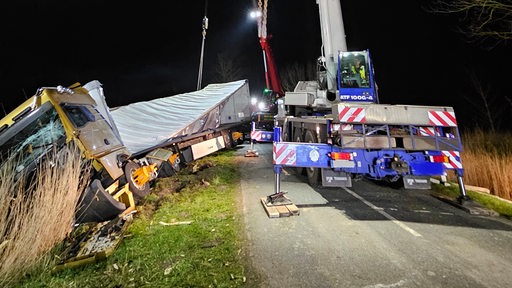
(148, 124)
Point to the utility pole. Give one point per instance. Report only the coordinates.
(205, 27)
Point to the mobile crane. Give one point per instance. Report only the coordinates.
(333, 129)
(262, 121)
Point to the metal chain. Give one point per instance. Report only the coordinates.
(264, 22)
(259, 20)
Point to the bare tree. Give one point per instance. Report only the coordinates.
(486, 23)
(296, 72)
(487, 107)
(227, 68)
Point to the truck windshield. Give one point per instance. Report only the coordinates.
(31, 138)
(354, 70)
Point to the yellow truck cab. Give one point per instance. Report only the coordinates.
(54, 117)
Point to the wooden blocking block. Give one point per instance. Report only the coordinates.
(279, 210)
(420, 143)
(283, 211)
(294, 210)
(271, 210)
(371, 142)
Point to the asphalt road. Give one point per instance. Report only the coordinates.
(367, 235)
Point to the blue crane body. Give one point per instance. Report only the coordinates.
(334, 128)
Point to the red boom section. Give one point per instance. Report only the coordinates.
(271, 76)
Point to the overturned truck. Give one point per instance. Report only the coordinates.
(127, 146)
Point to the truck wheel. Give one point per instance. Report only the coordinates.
(139, 191)
(312, 173)
(298, 138)
(240, 140)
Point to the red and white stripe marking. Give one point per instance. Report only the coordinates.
(346, 127)
(256, 135)
(442, 118)
(284, 154)
(428, 131)
(353, 115)
(454, 157)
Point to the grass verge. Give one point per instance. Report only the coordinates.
(492, 202)
(186, 234)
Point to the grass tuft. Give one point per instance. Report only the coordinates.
(487, 161)
(37, 212)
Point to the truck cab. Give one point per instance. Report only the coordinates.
(54, 118)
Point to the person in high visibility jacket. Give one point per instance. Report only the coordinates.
(359, 70)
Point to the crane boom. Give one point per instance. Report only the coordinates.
(272, 80)
(333, 36)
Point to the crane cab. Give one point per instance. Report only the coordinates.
(355, 77)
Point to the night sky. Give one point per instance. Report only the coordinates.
(150, 49)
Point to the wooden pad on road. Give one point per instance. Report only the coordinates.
(279, 210)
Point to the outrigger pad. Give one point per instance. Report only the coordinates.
(97, 205)
(251, 153)
(278, 199)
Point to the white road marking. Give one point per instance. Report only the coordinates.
(383, 213)
(397, 284)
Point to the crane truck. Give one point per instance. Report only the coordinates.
(333, 129)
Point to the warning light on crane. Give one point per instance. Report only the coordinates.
(255, 14)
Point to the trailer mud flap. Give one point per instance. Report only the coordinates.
(331, 178)
(97, 205)
(416, 182)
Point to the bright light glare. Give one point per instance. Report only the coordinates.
(261, 105)
(255, 14)
(254, 100)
